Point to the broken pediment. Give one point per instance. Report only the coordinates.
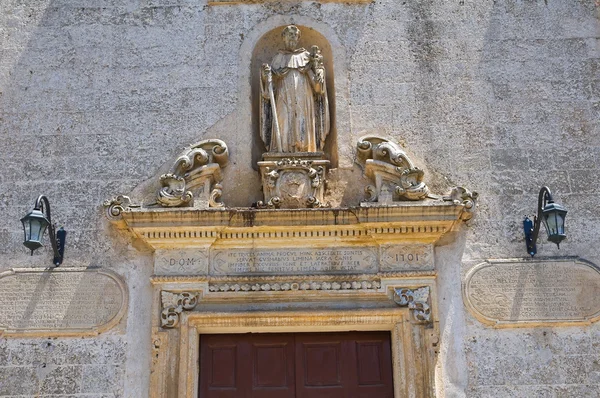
(393, 175)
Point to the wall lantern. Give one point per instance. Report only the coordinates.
(552, 215)
(34, 226)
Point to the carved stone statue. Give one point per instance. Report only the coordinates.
(294, 111)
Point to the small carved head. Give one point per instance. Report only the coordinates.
(291, 36)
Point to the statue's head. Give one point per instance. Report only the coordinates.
(291, 36)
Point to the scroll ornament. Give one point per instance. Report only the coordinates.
(466, 198)
(394, 176)
(416, 300)
(116, 206)
(173, 305)
(196, 176)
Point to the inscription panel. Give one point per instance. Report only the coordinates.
(181, 262)
(61, 301)
(406, 257)
(537, 291)
(293, 261)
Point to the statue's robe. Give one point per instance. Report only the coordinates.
(300, 105)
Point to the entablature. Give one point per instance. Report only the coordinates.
(173, 228)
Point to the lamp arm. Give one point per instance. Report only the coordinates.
(532, 229)
(43, 205)
(544, 197)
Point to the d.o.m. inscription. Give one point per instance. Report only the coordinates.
(529, 292)
(61, 301)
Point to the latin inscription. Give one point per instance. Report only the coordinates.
(59, 301)
(406, 257)
(293, 261)
(534, 291)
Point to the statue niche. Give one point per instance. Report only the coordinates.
(294, 110)
(294, 122)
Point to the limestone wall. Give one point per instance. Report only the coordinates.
(502, 97)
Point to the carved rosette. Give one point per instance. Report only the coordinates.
(393, 175)
(417, 300)
(173, 304)
(293, 183)
(195, 177)
(116, 206)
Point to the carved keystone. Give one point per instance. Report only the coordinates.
(173, 304)
(417, 300)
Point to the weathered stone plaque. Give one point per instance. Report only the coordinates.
(294, 261)
(181, 262)
(510, 293)
(406, 257)
(61, 301)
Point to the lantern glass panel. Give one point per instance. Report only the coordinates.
(34, 227)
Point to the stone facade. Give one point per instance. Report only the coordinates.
(100, 97)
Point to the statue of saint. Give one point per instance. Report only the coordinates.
(294, 111)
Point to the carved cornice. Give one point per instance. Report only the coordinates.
(424, 221)
(173, 304)
(417, 300)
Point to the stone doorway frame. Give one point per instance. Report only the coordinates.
(175, 367)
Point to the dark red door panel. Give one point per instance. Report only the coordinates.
(247, 366)
(301, 365)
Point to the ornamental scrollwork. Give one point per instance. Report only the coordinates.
(116, 206)
(173, 304)
(195, 178)
(417, 300)
(466, 198)
(393, 175)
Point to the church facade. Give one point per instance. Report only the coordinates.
(300, 198)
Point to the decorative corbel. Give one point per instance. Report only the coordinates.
(393, 175)
(417, 300)
(195, 177)
(173, 304)
(466, 198)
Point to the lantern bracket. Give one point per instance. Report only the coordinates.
(57, 238)
(532, 228)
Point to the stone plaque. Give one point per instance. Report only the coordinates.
(181, 262)
(533, 291)
(61, 301)
(406, 257)
(294, 261)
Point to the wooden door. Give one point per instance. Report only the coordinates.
(301, 365)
